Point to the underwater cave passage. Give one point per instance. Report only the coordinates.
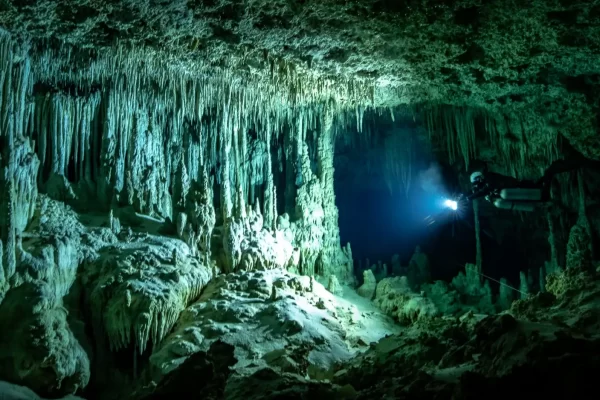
(396, 190)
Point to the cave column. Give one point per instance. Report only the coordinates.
(111, 177)
(241, 175)
(226, 201)
(552, 241)
(579, 246)
(290, 165)
(18, 163)
(325, 173)
(478, 252)
(583, 217)
(270, 203)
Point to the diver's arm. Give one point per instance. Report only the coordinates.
(477, 195)
(467, 198)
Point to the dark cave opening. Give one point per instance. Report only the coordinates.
(380, 223)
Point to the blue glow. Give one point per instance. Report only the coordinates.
(452, 204)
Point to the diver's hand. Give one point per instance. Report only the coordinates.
(462, 200)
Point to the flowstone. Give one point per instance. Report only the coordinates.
(40, 349)
(138, 288)
(273, 319)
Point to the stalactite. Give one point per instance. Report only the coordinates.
(240, 201)
(398, 160)
(180, 191)
(149, 138)
(291, 159)
(510, 136)
(241, 172)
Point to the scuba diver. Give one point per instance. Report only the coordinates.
(511, 194)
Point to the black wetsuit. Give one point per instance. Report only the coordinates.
(495, 182)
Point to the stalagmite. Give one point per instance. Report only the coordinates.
(542, 279)
(201, 213)
(524, 288)
(506, 295)
(2, 273)
(579, 246)
(583, 213)
(181, 188)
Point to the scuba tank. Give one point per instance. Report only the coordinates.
(521, 199)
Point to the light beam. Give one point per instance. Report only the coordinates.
(452, 204)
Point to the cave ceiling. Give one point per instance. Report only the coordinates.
(540, 54)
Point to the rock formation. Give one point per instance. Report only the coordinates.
(168, 205)
(418, 268)
(367, 289)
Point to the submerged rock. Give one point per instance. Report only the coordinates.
(367, 289)
(394, 297)
(333, 285)
(9, 391)
(271, 318)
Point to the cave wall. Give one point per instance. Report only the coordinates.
(199, 159)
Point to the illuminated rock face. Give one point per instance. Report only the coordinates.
(269, 317)
(150, 192)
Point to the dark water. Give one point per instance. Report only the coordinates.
(379, 224)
